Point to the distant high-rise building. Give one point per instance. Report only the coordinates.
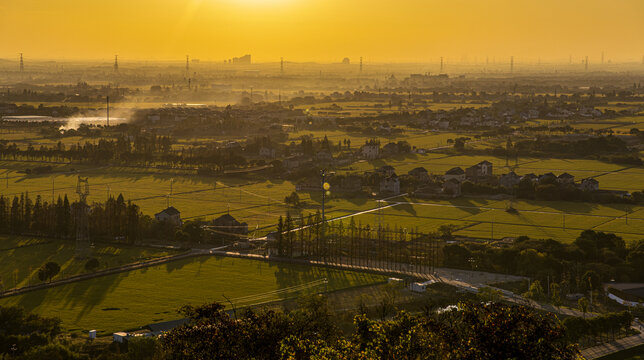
(360, 63)
(586, 66)
(602, 58)
(243, 60)
(22, 64)
(441, 65)
(116, 63)
(282, 65)
(187, 64)
(511, 64)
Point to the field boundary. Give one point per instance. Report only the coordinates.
(110, 271)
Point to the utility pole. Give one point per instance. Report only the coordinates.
(360, 64)
(325, 187)
(188, 65)
(564, 221)
(492, 231)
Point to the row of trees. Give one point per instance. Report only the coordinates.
(112, 219)
(549, 260)
(354, 244)
(137, 148)
(603, 327)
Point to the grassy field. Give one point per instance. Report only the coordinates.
(260, 202)
(20, 258)
(487, 219)
(133, 299)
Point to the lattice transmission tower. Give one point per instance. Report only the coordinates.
(81, 217)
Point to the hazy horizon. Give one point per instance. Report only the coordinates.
(411, 32)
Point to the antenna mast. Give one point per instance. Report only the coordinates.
(81, 215)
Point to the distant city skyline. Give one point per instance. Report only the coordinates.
(407, 31)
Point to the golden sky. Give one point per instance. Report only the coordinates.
(323, 30)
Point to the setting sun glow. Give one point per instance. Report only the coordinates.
(322, 30)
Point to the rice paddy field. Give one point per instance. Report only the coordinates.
(488, 219)
(127, 301)
(21, 257)
(260, 202)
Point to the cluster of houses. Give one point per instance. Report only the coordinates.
(482, 173)
(385, 181)
(224, 224)
(371, 150)
(501, 114)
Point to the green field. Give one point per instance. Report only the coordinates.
(20, 258)
(486, 219)
(260, 202)
(133, 299)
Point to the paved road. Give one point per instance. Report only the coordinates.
(614, 346)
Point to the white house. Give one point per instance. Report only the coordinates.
(589, 184)
(455, 173)
(170, 214)
(390, 184)
(371, 150)
(267, 152)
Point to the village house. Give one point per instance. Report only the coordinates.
(531, 176)
(267, 152)
(452, 187)
(566, 178)
(390, 185)
(371, 150)
(228, 224)
(589, 184)
(509, 180)
(454, 173)
(482, 169)
(291, 162)
(420, 174)
(171, 215)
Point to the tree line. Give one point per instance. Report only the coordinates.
(113, 219)
(598, 329)
(594, 253)
(355, 244)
